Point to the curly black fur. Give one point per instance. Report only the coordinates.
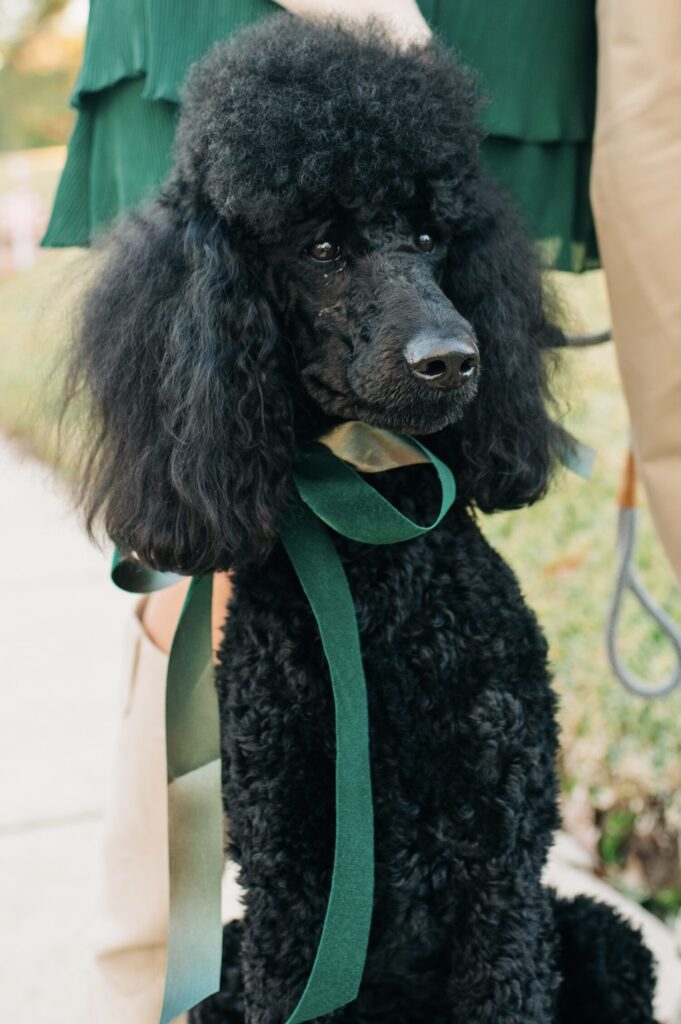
(214, 338)
(595, 947)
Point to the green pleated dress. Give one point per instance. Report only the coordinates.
(537, 60)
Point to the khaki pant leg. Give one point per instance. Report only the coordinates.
(132, 915)
(636, 196)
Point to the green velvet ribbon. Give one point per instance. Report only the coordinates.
(194, 794)
(332, 495)
(335, 496)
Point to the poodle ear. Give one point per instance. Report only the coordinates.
(190, 444)
(505, 448)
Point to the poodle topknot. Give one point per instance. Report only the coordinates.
(327, 248)
(276, 123)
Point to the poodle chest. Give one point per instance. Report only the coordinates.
(461, 714)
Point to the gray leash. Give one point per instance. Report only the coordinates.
(627, 578)
(626, 575)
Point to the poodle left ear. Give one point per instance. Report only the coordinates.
(505, 448)
(189, 445)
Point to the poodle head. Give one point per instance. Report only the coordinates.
(326, 247)
(342, 168)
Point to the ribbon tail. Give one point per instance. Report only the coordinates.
(339, 962)
(195, 927)
(195, 824)
(194, 809)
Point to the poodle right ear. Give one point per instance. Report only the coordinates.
(188, 451)
(506, 447)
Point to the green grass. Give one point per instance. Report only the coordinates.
(34, 107)
(563, 550)
(623, 751)
(34, 320)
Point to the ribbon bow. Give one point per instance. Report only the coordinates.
(332, 495)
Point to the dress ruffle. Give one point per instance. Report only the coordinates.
(536, 61)
(156, 39)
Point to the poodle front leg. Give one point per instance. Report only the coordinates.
(502, 966)
(607, 974)
(266, 959)
(282, 836)
(281, 931)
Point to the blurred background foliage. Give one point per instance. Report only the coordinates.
(40, 49)
(621, 756)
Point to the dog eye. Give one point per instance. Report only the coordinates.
(325, 252)
(425, 242)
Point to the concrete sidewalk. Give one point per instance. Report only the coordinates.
(62, 626)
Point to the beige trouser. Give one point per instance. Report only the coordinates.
(132, 920)
(636, 196)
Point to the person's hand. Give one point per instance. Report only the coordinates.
(402, 18)
(159, 612)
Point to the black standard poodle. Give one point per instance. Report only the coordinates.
(327, 248)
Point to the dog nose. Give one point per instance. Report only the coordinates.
(442, 362)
